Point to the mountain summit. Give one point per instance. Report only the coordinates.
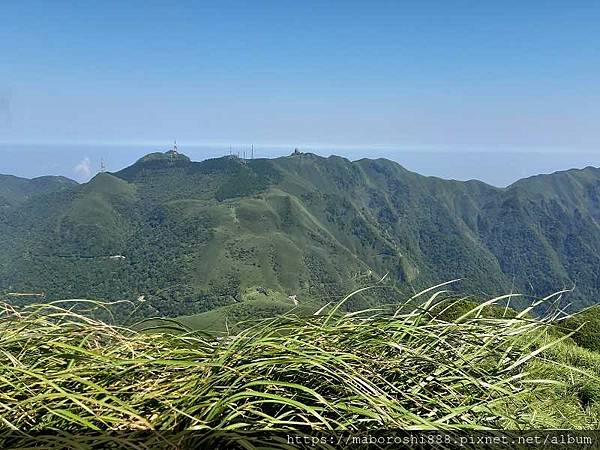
(192, 236)
(168, 156)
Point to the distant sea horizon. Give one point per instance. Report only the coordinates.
(497, 168)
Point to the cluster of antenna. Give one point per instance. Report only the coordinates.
(242, 152)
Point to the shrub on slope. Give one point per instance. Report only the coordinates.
(586, 325)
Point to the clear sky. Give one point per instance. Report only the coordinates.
(444, 75)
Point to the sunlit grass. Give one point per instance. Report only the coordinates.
(381, 368)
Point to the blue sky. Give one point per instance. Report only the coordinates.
(450, 76)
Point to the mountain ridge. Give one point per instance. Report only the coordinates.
(15, 189)
(182, 157)
(198, 235)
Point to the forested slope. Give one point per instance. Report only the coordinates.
(192, 236)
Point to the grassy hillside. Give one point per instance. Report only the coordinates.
(586, 328)
(234, 318)
(194, 236)
(378, 369)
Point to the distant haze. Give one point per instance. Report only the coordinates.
(400, 79)
(80, 162)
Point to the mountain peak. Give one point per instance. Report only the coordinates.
(171, 155)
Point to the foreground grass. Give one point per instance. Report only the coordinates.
(330, 371)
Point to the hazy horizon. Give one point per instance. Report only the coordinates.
(489, 91)
(497, 168)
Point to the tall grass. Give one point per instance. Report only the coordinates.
(381, 368)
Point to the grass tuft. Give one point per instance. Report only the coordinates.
(376, 369)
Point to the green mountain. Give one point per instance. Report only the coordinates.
(194, 236)
(14, 190)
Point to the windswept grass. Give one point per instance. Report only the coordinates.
(330, 371)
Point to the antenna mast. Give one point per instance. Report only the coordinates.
(102, 166)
